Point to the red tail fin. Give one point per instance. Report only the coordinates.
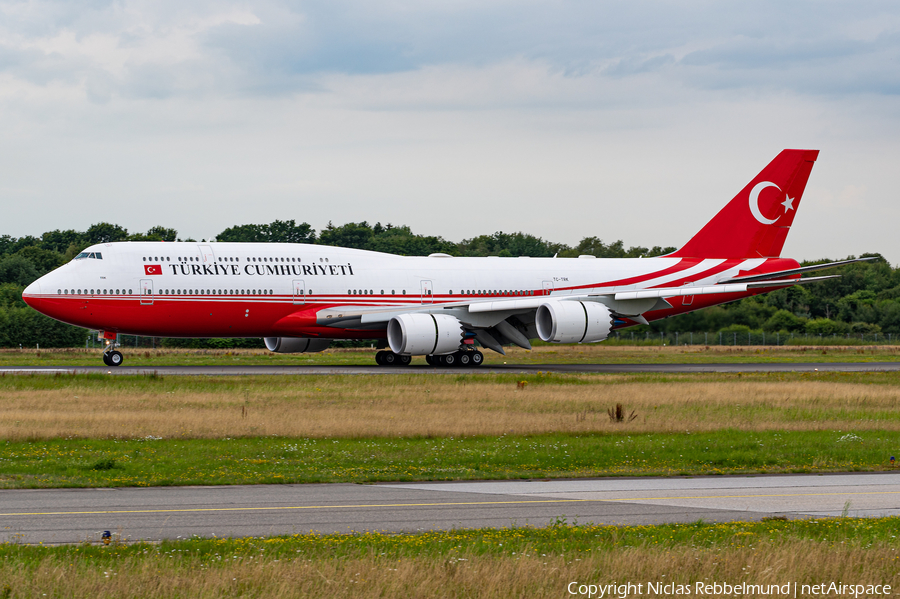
(756, 222)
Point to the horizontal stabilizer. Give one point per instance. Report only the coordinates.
(794, 271)
(711, 289)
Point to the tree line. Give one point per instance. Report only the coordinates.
(866, 299)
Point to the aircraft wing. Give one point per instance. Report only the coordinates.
(497, 321)
(477, 313)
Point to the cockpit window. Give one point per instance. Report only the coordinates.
(95, 255)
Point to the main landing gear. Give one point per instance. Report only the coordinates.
(389, 358)
(462, 359)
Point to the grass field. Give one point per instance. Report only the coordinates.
(543, 354)
(514, 562)
(95, 430)
(99, 430)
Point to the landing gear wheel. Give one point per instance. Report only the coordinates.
(403, 360)
(477, 358)
(388, 358)
(431, 360)
(114, 358)
(449, 360)
(465, 359)
(379, 358)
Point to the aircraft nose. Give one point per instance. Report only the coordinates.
(31, 295)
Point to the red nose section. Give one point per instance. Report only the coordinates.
(32, 295)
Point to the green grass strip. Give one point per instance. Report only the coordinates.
(607, 354)
(562, 538)
(160, 462)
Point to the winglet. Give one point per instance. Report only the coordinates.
(756, 222)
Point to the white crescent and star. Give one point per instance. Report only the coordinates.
(788, 202)
(151, 270)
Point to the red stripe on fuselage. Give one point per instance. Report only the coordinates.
(683, 264)
(706, 273)
(197, 316)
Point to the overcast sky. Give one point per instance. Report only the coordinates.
(563, 119)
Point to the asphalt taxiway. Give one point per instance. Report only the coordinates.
(78, 515)
(487, 368)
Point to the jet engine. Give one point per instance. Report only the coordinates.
(296, 345)
(424, 334)
(573, 322)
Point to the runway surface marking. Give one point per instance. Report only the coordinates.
(395, 505)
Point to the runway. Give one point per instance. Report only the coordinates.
(152, 514)
(488, 368)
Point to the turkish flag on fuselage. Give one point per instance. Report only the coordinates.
(153, 269)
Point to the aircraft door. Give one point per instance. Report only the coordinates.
(427, 292)
(548, 287)
(207, 253)
(147, 292)
(687, 300)
(299, 292)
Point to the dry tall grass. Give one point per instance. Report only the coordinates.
(460, 575)
(355, 406)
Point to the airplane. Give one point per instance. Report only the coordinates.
(300, 297)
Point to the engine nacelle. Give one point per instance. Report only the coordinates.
(573, 322)
(424, 334)
(296, 345)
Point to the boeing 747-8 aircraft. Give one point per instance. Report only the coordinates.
(301, 297)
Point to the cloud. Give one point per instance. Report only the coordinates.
(565, 119)
(159, 49)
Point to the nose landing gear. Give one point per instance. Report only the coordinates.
(112, 356)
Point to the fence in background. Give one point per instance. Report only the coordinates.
(750, 338)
